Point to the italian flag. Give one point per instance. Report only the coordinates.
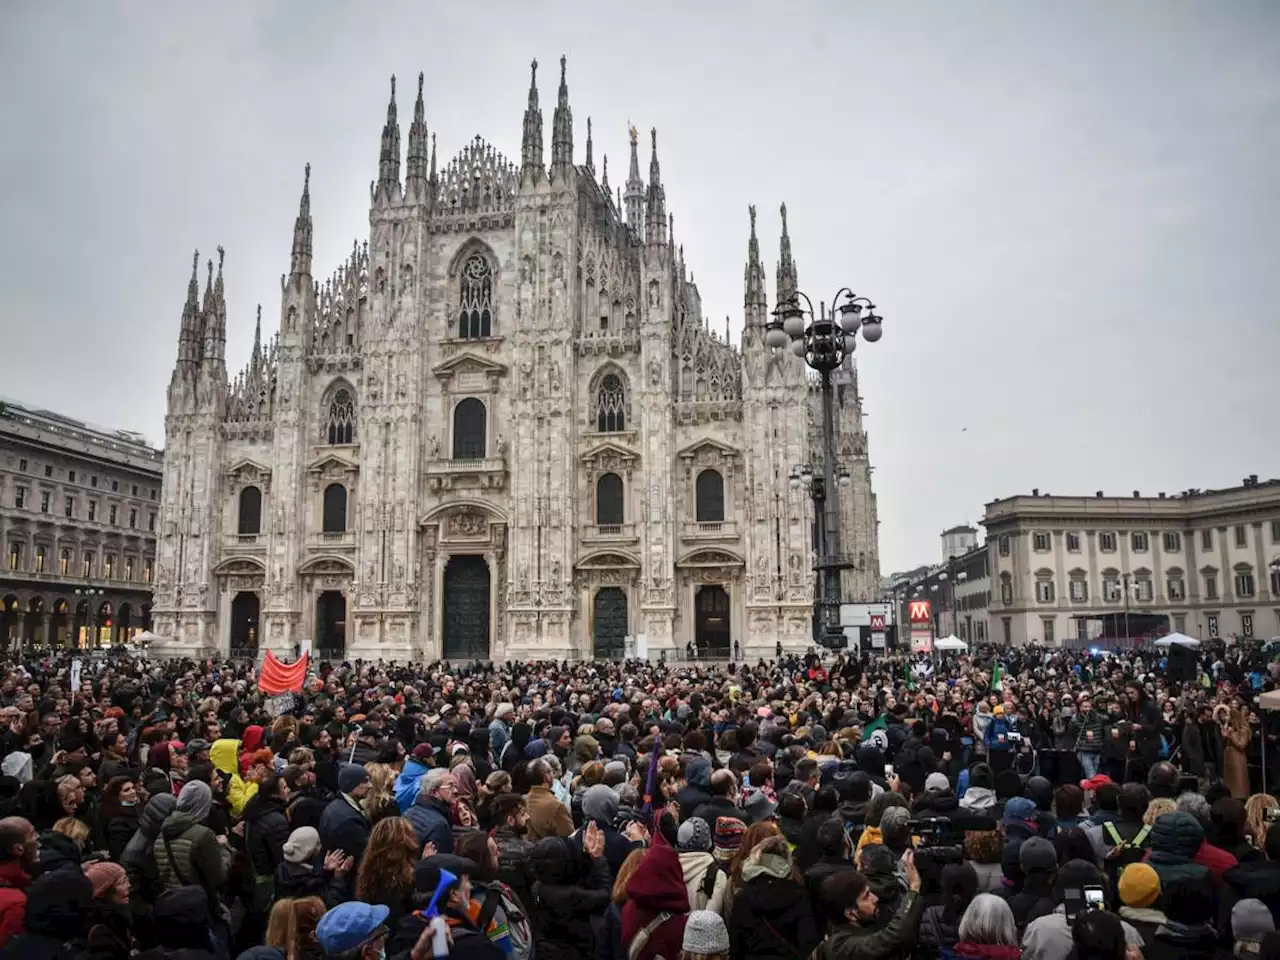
(997, 677)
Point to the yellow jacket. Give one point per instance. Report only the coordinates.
(225, 755)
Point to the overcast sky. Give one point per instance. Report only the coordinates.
(1069, 213)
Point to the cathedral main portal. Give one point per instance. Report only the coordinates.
(466, 608)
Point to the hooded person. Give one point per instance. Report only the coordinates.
(303, 874)
(137, 860)
(415, 767)
(833, 857)
(186, 852)
(182, 926)
(225, 756)
(653, 918)
(600, 804)
(697, 789)
(1175, 840)
(704, 881)
(58, 905)
(980, 797)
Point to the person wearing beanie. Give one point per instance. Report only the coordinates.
(1251, 920)
(704, 881)
(110, 907)
(187, 852)
(304, 874)
(771, 915)
(727, 838)
(1139, 891)
(1037, 868)
(1189, 933)
(705, 936)
(344, 825)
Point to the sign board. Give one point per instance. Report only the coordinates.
(877, 640)
(629, 647)
(280, 703)
(860, 614)
(921, 641)
(642, 646)
(76, 668)
(920, 612)
(877, 623)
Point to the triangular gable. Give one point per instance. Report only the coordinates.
(609, 448)
(708, 443)
(467, 362)
(331, 462)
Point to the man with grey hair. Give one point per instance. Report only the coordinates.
(432, 810)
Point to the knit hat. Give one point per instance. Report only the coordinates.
(302, 845)
(1037, 854)
(705, 933)
(1140, 886)
(758, 806)
(103, 876)
(694, 835)
(937, 781)
(728, 837)
(1251, 920)
(350, 776)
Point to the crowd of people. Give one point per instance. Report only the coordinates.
(1035, 803)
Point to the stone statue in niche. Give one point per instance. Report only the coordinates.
(502, 445)
(526, 377)
(655, 372)
(433, 446)
(555, 377)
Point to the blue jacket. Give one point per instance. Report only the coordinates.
(406, 788)
(995, 729)
(430, 818)
(343, 827)
(499, 734)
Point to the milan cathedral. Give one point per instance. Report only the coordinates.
(502, 428)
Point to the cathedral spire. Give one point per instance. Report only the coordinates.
(189, 336)
(300, 259)
(531, 144)
(591, 164)
(416, 163)
(635, 189)
(786, 266)
(433, 160)
(389, 157)
(656, 204)
(753, 274)
(215, 317)
(255, 359)
(604, 176)
(562, 128)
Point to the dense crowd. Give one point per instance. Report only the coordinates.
(1032, 803)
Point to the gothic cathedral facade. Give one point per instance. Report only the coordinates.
(501, 429)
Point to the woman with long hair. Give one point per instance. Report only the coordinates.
(1255, 812)
(464, 798)
(1235, 743)
(118, 814)
(386, 872)
(940, 925)
(772, 914)
(511, 928)
(381, 801)
(291, 928)
(755, 835)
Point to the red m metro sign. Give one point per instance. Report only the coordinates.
(877, 621)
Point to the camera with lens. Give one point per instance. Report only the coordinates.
(1271, 815)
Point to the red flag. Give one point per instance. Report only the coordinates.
(276, 677)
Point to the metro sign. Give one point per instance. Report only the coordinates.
(919, 612)
(877, 622)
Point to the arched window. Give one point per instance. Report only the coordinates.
(340, 427)
(710, 497)
(475, 308)
(609, 499)
(469, 418)
(611, 405)
(250, 511)
(335, 508)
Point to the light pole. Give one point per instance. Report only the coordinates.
(824, 341)
(956, 577)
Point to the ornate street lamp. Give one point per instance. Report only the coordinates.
(823, 341)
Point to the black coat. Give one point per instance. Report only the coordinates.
(772, 919)
(468, 942)
(814, 877)
(566, 917)
(1164, 946)
(266, 828)
(118, 831)
(309, 880)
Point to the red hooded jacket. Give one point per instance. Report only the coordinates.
(656, 887)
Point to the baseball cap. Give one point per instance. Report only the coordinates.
(1094, 782)
(348, 925)
(193, 747)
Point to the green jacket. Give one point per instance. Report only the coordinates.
(188, 853)
(895, 939)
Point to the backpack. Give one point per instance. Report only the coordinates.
(1122, 849)
(513, 923)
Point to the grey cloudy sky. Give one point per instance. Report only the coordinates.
(1069, 213)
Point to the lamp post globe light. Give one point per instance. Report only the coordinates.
(823, 341)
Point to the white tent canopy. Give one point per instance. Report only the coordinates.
(950, 643)
(1181, 639)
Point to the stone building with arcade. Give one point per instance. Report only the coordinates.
(78, 514)
(502, 428)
